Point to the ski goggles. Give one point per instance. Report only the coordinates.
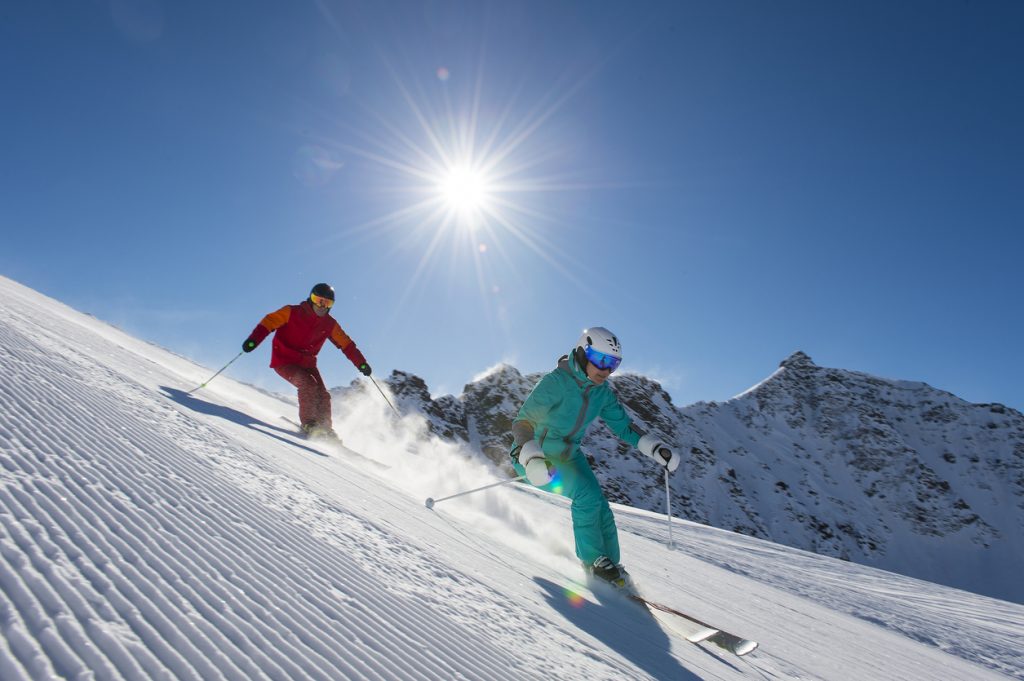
(602, 360)
(320, 300)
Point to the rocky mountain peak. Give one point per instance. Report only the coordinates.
(408, 386)
(799, 360)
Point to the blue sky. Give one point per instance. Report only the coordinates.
(720, 183)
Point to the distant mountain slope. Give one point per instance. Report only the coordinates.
(889, 473)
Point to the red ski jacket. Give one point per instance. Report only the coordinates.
(301, 334)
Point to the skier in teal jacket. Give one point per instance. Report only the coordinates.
(546, 448)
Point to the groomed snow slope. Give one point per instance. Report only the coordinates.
(148, 534)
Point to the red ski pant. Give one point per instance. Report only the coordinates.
(314, 400)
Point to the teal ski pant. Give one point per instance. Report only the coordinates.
(593, 524)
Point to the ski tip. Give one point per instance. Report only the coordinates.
(702, 634)
(745, 646)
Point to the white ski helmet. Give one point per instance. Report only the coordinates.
(600, 347)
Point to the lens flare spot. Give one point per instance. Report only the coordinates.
(314, 166)
(575, 600)
(556, 483)
(443, 74)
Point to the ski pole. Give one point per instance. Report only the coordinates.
(203, 385)
(384, 396)
(429, 503)
(668, 511)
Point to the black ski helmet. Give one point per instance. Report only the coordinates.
(323, 290)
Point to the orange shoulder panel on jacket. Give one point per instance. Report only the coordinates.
(275, 320)
(339, 337)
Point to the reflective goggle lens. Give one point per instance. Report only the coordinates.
(601, 360)
(321, 301)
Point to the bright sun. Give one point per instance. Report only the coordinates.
(468, 181)
(465, 191)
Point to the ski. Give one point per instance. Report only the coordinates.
(338, 445)
(697, 631)
(294, 423)
(331, 439)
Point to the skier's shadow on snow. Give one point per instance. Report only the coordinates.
(235, 416)
(622, 626)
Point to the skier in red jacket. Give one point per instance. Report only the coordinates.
(301, 332)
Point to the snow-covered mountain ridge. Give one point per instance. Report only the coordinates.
(894, 474)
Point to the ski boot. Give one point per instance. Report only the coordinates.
(604, 570)
(315, 431)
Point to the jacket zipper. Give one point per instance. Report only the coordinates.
(579, 421)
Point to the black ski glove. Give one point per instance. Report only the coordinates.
(668, 458)
(249, 345)
(365, 369)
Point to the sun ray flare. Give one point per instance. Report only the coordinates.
(468, 174)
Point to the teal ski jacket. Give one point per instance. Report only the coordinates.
(561, 407)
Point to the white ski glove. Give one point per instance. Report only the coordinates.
(532, 459)
(657, 450)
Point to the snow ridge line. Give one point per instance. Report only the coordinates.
(120, 550)
(92, 510)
